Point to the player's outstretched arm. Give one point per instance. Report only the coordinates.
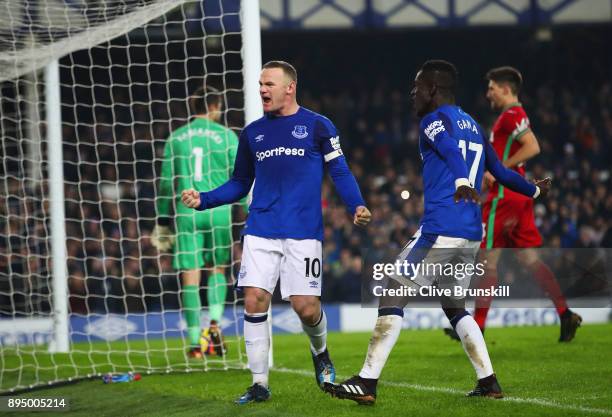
(339, 171)
(233, 190)
(445, 145)
(448, 149)
(347, 187)
(511, 179)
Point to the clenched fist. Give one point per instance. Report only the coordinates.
(191, 198)
(362, 216)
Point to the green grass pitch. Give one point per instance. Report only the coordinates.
(426, 375)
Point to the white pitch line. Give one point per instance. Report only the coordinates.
(534, 401)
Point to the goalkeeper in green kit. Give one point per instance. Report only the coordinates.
(198, 155)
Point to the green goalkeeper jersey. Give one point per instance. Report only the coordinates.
(199, 155)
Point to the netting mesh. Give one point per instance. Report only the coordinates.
(127, 69)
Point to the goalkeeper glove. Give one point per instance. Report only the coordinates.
(162, 238)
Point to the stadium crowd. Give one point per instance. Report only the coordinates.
(111, 180)
(382, 146)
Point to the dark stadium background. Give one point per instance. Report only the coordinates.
(360, 80)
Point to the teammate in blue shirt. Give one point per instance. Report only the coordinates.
(455, 153)
(285, 153)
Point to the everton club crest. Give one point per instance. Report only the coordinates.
(299, 132)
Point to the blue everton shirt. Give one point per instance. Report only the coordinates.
(453, 148)
(285, 156)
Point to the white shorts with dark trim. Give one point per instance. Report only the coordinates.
(438, 253)
(297, 262)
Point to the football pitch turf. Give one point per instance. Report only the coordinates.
(426, 375)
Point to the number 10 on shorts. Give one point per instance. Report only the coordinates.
(313, 268)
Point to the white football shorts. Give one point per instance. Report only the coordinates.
(297, 262)
(437, 254)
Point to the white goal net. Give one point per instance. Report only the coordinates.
(127, 69)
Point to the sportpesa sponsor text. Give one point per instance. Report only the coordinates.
(279, 151)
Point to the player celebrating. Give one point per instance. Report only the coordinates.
(508, 215)
(454, 153)
(199, 154)
(285, 151)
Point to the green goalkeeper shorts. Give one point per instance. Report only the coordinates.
(203, 238)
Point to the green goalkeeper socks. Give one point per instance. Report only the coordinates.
(217, 291)
(191, 311)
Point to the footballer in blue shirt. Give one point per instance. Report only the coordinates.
(285, 153)
(454, 152)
